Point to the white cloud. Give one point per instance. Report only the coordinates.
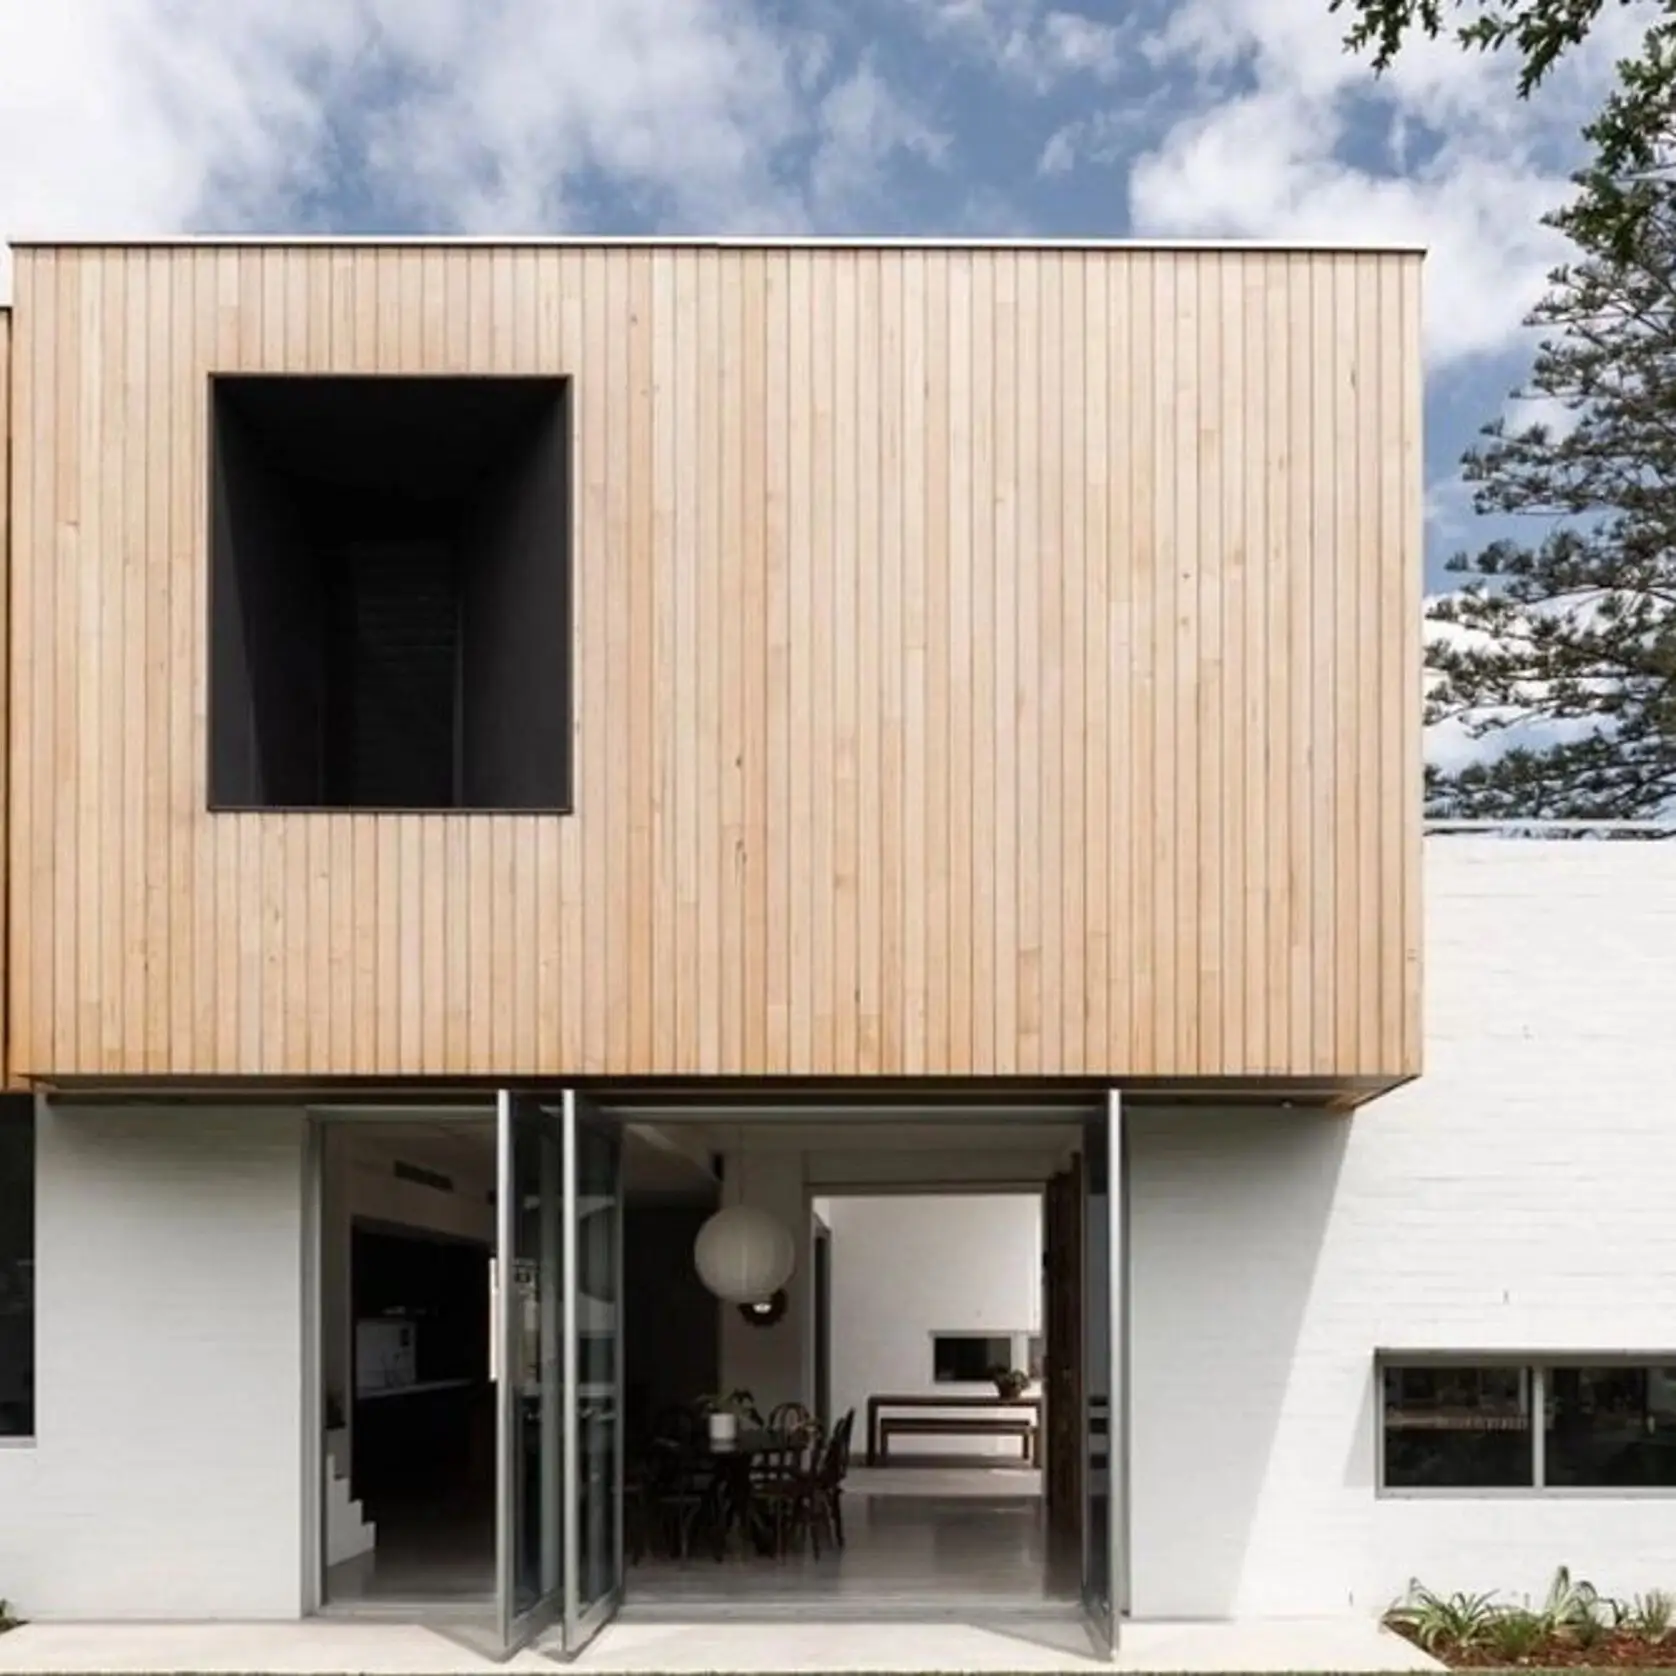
(1105, 137)
(127, 116)
(1266, 167)
(1559, 418)
(1449, 510)
(861, 125)
(1030, 42)
(1287, 136)
(1458, 741)
(1079, 43)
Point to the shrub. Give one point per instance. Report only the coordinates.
(1568, 1604)
(1650, 1615)
(1515, 1633)
(1590, 1625)
(1436, 1621)
(1573, 1611)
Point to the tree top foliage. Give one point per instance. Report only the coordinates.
(1539, 33)
(1576, 628)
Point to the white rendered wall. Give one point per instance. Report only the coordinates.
(166, 1477)
(905, 1267)
(1521, 1195)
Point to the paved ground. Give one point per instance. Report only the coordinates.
(320, 1648)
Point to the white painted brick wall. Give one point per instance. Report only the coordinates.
(1522, 1195)
(166, 1480)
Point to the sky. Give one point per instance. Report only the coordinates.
(1062, 118)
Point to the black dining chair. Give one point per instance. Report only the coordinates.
(683, 1502)
(821, 1510)
(777, 1481)
(791, 1419)
(682, 1491)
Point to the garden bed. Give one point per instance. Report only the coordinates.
(1576, 1627)
(1613, 1652)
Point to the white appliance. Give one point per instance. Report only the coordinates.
(386, 1356)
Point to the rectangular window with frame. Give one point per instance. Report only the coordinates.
(1459, 1424)
(17, 1266)
(969, 1358)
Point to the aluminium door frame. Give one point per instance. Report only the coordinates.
(518, 1630)
(582, 1624)
(1107, 1634)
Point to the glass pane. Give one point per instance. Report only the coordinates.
(1097, 1376)
(1457, 1427)
(17, 1266)
(598, 1317)
(1611, 1427)
(534, 1370)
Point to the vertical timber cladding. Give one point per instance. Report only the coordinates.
(986, 660)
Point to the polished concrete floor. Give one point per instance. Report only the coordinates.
(956, 1551)
(950, 1538)
(434, 1550)
(989, 1482)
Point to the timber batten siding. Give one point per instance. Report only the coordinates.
(987, 661)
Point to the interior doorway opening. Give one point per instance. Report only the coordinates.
(408, 1289)
(917, 1320)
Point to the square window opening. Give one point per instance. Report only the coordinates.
(390, 593)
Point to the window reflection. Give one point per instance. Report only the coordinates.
(1611, 1427)
(1457, 1427)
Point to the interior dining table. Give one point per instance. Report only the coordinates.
(733, 1462)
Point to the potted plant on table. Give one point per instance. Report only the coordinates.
(1010, 1383)
(724, 1413)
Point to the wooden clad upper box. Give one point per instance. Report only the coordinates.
(952, 660)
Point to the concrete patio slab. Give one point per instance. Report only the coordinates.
(323, 1648)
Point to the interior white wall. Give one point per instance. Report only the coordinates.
(907, 1266)
(1518, 1196)
(166, 1477)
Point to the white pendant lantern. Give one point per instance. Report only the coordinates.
(744, 1255)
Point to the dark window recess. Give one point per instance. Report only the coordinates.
(390, 593)
(1458, 1427)
(969, 1358)
(17, 1265)
(1611, 1427)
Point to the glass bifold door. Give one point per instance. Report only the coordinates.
(1105, 1511)
(558, 1346)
